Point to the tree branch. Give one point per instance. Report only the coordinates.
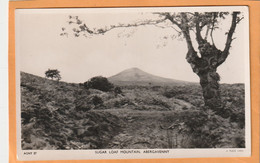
(171, 19)
(198, 29)
(212, 29)
(207, 32)
(239, 19)
(167, 27)
(82, 27)
(185, 30)
(191, 55)
(229, 39)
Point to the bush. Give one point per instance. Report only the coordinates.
(97, 101)
(100, 83)
(117, 90)
(123, 102)
(83, 103)
(173, 92)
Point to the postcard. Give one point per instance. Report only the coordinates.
(132, 83)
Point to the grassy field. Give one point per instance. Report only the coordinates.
(59, 115)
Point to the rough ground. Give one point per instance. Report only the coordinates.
(59, 115)
(143, 129)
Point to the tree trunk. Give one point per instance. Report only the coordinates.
(209, 83)
(206, 68)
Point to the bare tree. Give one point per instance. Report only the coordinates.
(184, 23)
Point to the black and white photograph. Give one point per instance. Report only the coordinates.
(108, 83)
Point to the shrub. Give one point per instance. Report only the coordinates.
(100, 83)
(117, 90)
(172, 92)
(159, 102)
(117, 104)
(123, 102)
(97, 101)
(83, 103)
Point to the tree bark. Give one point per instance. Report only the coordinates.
(209, 81)
(206, 68)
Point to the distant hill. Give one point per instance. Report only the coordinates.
(136, 76)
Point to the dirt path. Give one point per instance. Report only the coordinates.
(142, 129)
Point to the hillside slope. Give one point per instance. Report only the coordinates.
(58, 115)
(50, 119)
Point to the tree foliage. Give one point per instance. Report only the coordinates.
(53, 74)
(100, 83)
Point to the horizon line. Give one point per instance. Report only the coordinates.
(195, 82)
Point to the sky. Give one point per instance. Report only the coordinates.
(39, 45)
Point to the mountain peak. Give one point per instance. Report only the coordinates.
(137, 76)
(135, 69)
